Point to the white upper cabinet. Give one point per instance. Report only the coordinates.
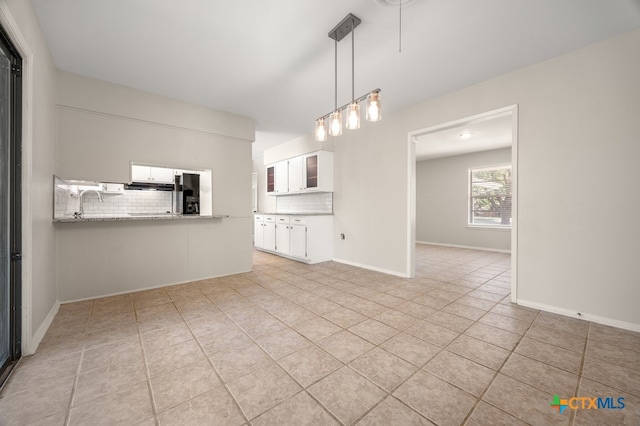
(282, 177)
(296, 174)
(271, 178)
(317, 170)
(151, 174)
(306, 173)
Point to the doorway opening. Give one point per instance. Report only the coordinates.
(495, 132)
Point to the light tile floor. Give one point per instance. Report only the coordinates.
(325, 344)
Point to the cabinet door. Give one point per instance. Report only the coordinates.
(311, 171)
(140, 173)
(296, 175)
(298, 241)
(282, 239)
(258, 234)
(162, 175)
(269, 236)
(282, 177)
(271, 179)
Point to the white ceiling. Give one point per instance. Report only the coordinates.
(484, 135)
(273, 61)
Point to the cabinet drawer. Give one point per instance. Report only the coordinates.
(258, 218)
(299, 220)
(282, 220)
(270, 219)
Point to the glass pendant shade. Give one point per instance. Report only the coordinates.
(353, 116)
(321, 130)
(335, 124)
(374, 107)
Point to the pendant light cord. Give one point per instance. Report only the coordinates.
(400, 29)
(353, 61)
(336, 73)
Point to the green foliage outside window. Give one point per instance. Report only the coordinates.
(490, 197)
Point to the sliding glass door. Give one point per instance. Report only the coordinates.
(10, 212)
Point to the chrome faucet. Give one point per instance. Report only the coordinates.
(79, 213)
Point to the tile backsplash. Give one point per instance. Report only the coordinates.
(67, 201)
(129, 202)
(314, 202)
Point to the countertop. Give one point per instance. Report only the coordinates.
(294, 214)
(133, 216)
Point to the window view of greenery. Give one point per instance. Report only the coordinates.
(490, 197)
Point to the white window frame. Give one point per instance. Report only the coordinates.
(486, 226)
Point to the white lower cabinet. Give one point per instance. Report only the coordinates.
(258, 231)
(282, 234)
(308, 239)
(298, 241)
(269, 233)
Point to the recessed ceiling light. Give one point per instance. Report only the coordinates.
(466, 134)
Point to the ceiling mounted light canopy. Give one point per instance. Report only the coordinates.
(352, 109)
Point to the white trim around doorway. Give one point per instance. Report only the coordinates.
(411, 185)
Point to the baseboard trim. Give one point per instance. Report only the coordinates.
(33, 343)
(371, 268)
(581, 315)
(464, 247)
(154, 287)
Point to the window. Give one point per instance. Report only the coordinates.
(490, 197)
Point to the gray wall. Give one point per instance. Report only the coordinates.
(578, 139)
(442, 190)
(104, 127)
(39, 153)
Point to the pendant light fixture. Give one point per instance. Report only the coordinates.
(373, 99)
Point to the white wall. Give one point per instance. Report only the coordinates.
(442, 196)
(578, 150)
(295, 148)
(104, 127)
(39, 152)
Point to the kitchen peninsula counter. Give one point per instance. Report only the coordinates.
(294, 214)
(130, 217)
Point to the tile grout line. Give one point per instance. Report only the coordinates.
(154, 408)
(495, 376)
(288, 326)
(572, 418)
(236, 287)
(389, 394)
(225, 383)
(344, 365)
(210, 362)
(511, 351)
(303, 388)
(74, 390)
